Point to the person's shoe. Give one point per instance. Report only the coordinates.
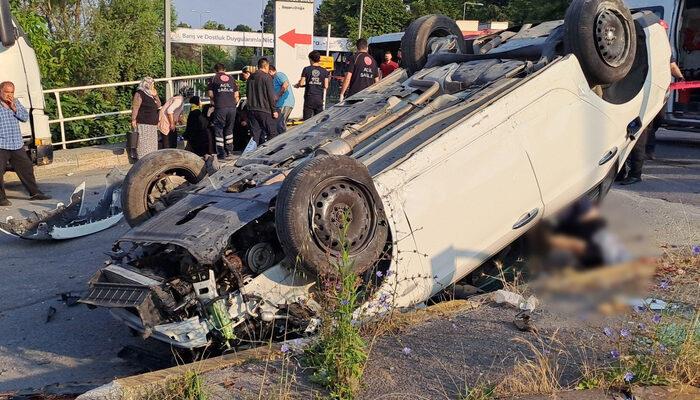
(630, 180)
(5, 203)
(40, 196)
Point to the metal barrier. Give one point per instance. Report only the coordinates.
(175, 83)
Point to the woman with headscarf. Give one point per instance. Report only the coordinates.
(144, 116)
(170, 116)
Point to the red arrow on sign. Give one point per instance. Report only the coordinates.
(293, 38)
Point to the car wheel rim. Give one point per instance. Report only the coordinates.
(338, 201)
(612, 37)
(160, 188)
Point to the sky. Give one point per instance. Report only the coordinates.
(227, 12)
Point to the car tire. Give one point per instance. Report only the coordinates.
(170, 168)
(309, 209)
(601, 34)
(415, 42)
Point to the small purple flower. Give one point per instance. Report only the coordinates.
(285, 348)
(379, 274)
(664, 285)
(662, 348)
(406, 350)
(624, 333)
(614, 354)
(696, 250)
(628, 377)
(642, 326)
(389, 273)
(344, 302)
(638, 308)
(608, 332)
(656, 319)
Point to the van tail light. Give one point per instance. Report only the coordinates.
(664, 24)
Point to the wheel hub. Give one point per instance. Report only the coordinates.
(163, 185)
(337, 205)
(612, 37)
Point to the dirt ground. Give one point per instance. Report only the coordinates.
(440, 352)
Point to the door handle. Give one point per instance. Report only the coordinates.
(608, 156)
(526, 219)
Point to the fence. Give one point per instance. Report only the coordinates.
(197, 82)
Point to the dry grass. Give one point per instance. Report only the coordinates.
(400, 322)
(537, 374)
(189, 386)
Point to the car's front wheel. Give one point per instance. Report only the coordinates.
(153, 178)
(326, 205)
(601, 34)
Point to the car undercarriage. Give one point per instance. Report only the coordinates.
(240, 255)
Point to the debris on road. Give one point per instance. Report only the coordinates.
(516, 300)
(523, 321)
(50, 314)
(70, 299)
(72, 221)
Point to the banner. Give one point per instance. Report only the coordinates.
(248, 39)
(223, 38)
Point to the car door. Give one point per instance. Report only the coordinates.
(458, 200)
(571, 143)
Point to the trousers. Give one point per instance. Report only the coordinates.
(223, 121)
(24, 168)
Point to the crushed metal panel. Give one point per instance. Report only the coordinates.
(72, 221)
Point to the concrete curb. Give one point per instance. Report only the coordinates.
(133, 386)
(81, 159)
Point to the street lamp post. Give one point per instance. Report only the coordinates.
(468, 3)
(201, 47)
(359, 26)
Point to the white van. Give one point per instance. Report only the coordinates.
(20, 66)
(683, 19)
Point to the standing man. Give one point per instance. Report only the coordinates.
(12, 112)
(362, 71)
(285, 98)
(314, 79)
(389, 65)
(224, 95)
(646, 142)
(261, 104)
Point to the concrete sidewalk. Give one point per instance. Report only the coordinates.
(81, 159)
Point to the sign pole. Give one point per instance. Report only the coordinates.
(328, 52)
(168, 60)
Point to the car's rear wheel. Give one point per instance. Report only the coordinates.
(153, 178)
(321, 198)
(601, 34)
(430, 34)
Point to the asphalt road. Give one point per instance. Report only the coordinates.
(79, 346)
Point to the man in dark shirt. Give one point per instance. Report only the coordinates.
(224, 95)
(314, 80)
(389, 65)
(362, 71)
(262, 104)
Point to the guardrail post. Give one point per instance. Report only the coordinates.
(61, 122)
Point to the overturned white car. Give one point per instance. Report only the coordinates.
(439, 166)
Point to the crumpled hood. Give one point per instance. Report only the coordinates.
(203, 221)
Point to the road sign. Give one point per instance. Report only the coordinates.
(294, 28)
(328, 62)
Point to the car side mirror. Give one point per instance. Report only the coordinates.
(8, 34)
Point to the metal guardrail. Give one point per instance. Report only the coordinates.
(174, 84)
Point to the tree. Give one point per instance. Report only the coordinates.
(344, 15)
(268, 17)
(243, 28)
(214, 26)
